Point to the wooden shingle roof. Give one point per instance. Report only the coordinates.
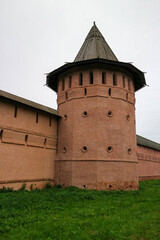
(95, 46)
(141, 141)
(23, 101)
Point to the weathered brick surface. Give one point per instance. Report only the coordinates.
(148, 163)
(27, 148)
(96, 116)
(96, 167)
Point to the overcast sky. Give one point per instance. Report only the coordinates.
(38, 36)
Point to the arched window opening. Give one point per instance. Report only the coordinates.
(109, 92)
(91, 78)
(129, 85)
(70, 81)
(63, 84)
(80, 79)
(85, 92)
(15, 112)
(103, 78)
(114, 80)
(123, 81)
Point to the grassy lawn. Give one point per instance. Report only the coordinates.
(72, 213)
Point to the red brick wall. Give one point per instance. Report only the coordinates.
(148, 163)
(27, 147)
(96, 168)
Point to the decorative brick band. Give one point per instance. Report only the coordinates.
(10, 136)
(96, 91)
(147, 157)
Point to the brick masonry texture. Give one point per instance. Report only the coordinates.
(90, 141)
(95, 137)
(27, 148)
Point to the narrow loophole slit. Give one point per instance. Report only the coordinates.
(80, 79)
(103, 78)
(36, 117)
(50, 121)
(91, 77)
(85, 92)
(15, 112)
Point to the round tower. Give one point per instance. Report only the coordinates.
(96, 134)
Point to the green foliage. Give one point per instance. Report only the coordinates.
(48, 185)
(80, 214)
(4, 189)
(31, 187)
(58, 186)
(23, 187)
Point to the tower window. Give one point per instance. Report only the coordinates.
(103, 78)
(129, 85)
(91, 78)
(123, 81)
(80, 79)
(70, 81)
(109, 92)
(63, 84)
(36, 117)
(114, 80)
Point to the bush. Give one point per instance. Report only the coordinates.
(23, 187)
(48, 185)
(4, 189)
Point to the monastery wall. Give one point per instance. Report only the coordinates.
(28, 139)
(148, 163)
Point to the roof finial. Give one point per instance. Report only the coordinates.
(94, 23)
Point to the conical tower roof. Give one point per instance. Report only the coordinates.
(94, 47)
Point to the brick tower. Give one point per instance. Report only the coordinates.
(96, 134)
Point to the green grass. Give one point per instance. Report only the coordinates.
(71, 213)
